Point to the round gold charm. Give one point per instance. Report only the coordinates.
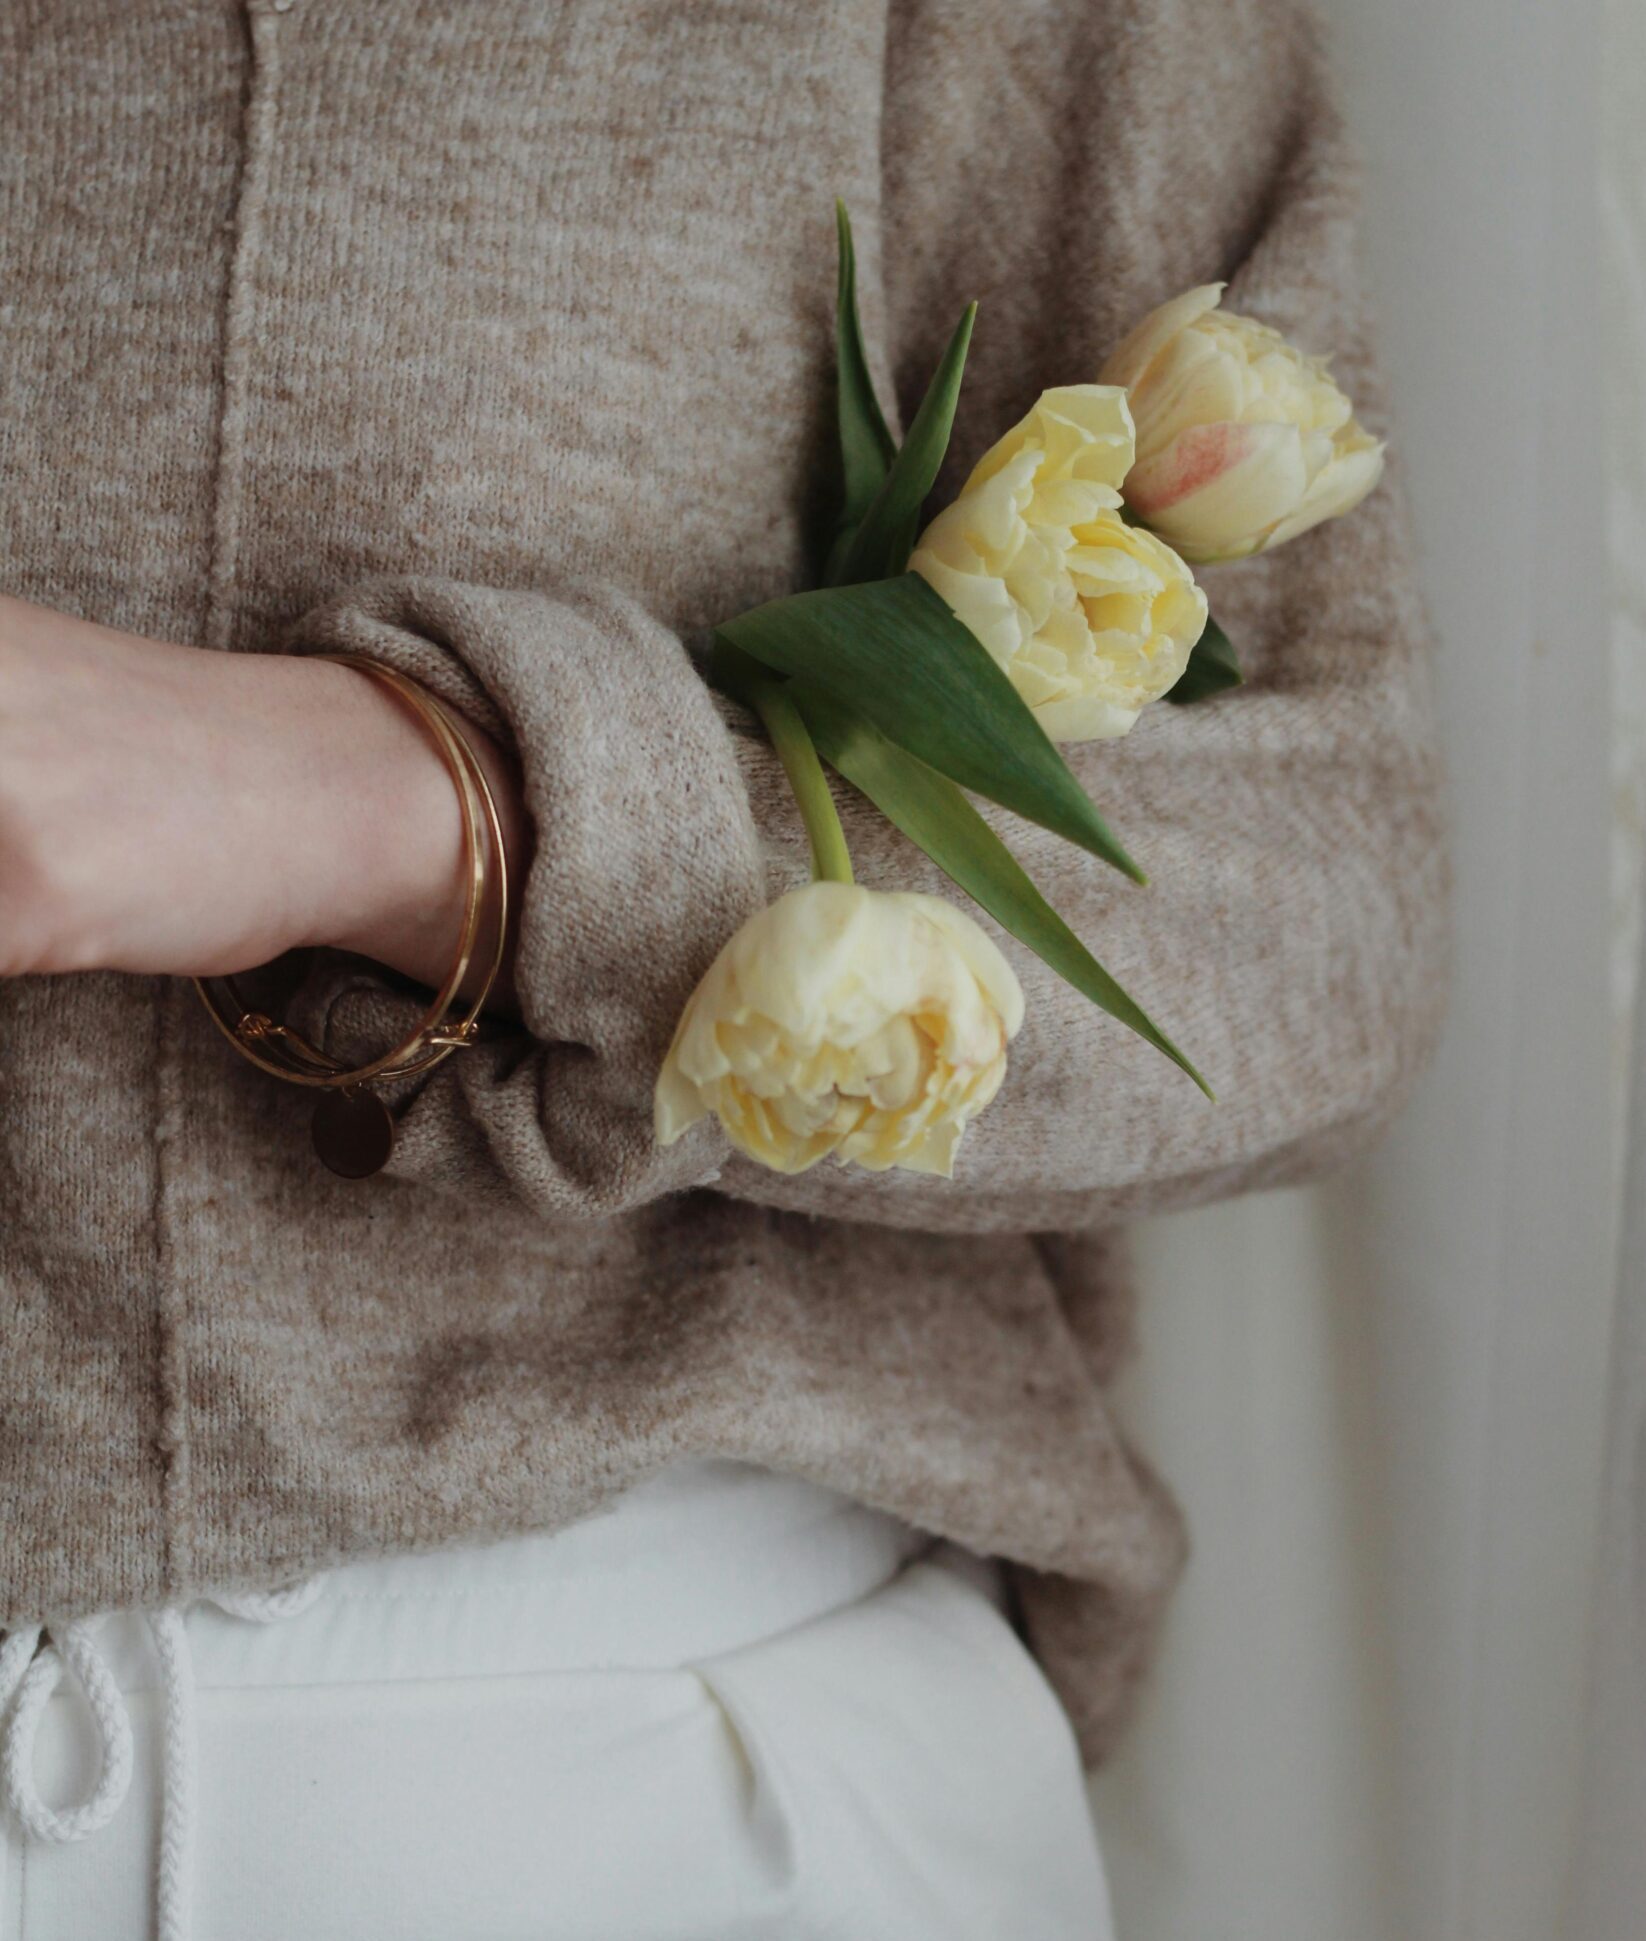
(353, 1133)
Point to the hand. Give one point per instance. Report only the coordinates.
(167, 810)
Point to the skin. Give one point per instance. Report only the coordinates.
(164, 810)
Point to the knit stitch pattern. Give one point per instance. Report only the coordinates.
(495, 341)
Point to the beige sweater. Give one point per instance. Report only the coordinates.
(495, 340)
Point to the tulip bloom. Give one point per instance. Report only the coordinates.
(867, 1025)
(1243, 441)
(1092, 619)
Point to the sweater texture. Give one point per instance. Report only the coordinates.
(495, 341)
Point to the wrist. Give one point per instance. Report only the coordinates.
(390, 827)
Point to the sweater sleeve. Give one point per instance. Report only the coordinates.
(1292, 936)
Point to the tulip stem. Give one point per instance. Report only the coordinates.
(831, 859)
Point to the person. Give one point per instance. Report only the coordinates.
(538, 1538)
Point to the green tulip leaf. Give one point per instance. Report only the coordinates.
(893, 653)
(886, 534)
(1212, 669)
(867, 447)
(935, 815)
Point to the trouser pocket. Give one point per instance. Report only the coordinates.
(910, 1763)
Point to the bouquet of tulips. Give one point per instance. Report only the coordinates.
(1051, 602)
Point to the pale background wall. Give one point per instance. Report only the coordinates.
(1383, 1401)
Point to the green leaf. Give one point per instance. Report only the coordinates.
(933, 813)
(867, 448)
(885, 538)
(892, 652)
(1212, 668)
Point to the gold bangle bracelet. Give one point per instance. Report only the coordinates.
(353, 1129)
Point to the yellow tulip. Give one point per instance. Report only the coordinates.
(867, 1025)
(1243, 441)
(1091, 618)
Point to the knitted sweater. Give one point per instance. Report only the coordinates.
(495, 341)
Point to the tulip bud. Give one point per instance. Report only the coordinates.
(1243, 441)
(864, 1024)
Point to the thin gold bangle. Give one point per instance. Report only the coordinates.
(353, 1129)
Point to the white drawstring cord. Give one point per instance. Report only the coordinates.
(270, 1607)
(17, 1650)
(30, 1675)
(174, 1854)
(74, 1649)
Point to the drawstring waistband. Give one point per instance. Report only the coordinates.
(33, 1664)
(641, 1586)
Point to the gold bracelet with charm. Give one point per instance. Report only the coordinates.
(353, 1129)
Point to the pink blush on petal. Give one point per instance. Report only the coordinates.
(1197, 458)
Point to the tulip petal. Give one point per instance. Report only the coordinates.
(1219, 489)
(677, 1105)
(1086, 431)
(1201, 379)
(1337, 489)
(1132, 356)
(980, 602)
(981, 957)
(1193, 461)
(1083, 717)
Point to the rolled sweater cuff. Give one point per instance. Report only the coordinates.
(646, 859)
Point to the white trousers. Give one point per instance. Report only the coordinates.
(734, 1707)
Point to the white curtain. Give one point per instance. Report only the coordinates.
(1384, 1401)
(1608, 1885)
(1608, 1882)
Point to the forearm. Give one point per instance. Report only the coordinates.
(168, 810)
